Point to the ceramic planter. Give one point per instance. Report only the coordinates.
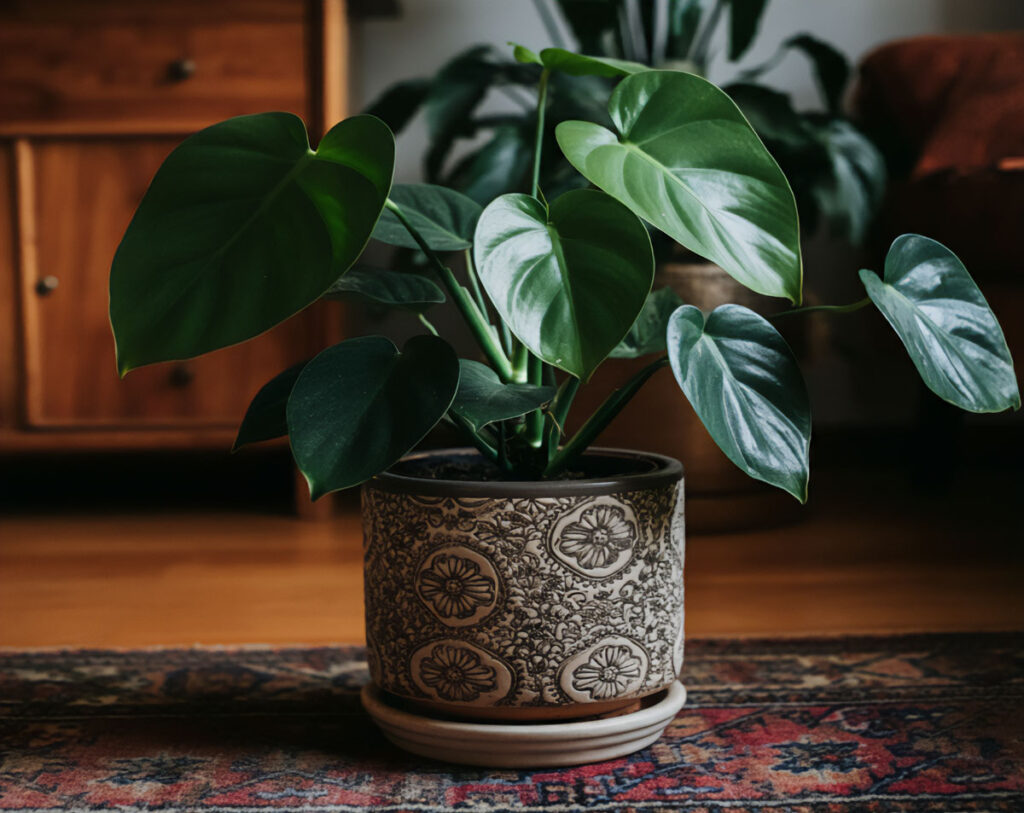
(525, 600)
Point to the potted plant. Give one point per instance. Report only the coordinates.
(836, 173)
(524, 576)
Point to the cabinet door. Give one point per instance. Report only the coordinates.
(75, 200)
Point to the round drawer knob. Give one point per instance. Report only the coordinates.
(182, 375)
(181, 69)
(47, 285)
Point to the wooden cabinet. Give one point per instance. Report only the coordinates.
(92, 98)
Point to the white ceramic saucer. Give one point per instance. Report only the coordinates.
(525, 745)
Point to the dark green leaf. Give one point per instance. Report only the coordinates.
(361, 405)
(399, 103)
(946, 325)
(594, 24)
(388, 288)
(445, 218)
(689, 163)
(744, 20)
(684, 17)
(831, 68)
(458, 88)
(242, 227)
(745, 386)
(500, 166)
(850, 193)
(482, 398)
(648, 332)
(569, 282)
(558, 59)
(265, 418)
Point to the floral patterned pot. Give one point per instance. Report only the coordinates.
(525, 600)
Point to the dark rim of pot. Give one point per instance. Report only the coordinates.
(660, 471)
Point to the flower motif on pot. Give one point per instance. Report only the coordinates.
(608, 673)
(456, 673)
(458, 585)
(597, 540)
(612, 668)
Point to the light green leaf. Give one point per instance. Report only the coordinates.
(570, 282)
(482, 398)
(388, 288)
(265, 417)
(745, 386)
(689, 163)
(648, 332)
(558, 59)
(360, 405)
(946, 325)
(445, 218)
(243, 226)
(525, 55)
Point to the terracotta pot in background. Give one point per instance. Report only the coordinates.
(659, 419)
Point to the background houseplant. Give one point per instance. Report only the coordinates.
(836, 173)
(245, 224)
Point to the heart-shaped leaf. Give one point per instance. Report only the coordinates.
(360, 405)
(265, 418)
(745, 386)
(243, 226)
(482, 398)
(689, 163)
(444, 217)
(399, 103)
(559, 59)
(946, 325)
(388, 288)
(568, 282)
(648, 332)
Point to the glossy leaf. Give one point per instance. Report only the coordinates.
(648, 332)
(360, 405)
(265, 418)
(744, 21)
(445, 218)
(570, 282)
(573, 64)
(388, 288)
(689, 163)
(745, 386)
(946, 325)
(482, 398)
(242, 227)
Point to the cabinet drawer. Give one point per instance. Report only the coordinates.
(99, 68)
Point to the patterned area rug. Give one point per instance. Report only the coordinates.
(923, 723)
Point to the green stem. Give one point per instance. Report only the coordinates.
(542, 100)
(604, 415)
(853, 306)
(427, 324)
(482, 445)
(474, 282)
(520, 361)
(559, 412)
(535, 419)
(477, 321)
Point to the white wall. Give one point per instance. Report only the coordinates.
(428, 32)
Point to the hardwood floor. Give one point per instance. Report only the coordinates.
(867, 556)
